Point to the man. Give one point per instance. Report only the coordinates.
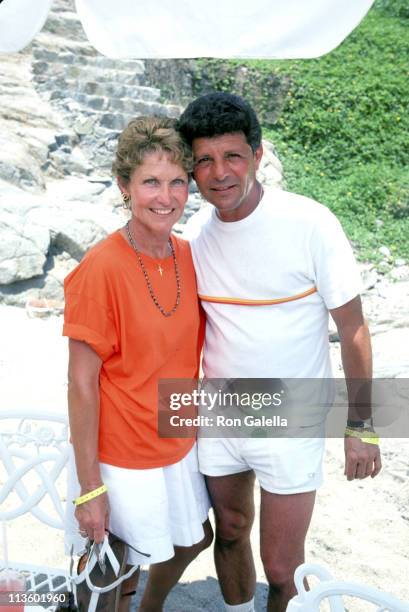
(270, 266)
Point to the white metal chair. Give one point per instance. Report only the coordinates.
(33, 456)
(333, 590)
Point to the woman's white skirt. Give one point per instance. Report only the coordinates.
(153, 510)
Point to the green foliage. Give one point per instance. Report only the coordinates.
(395, 8)
(340, 124)
(266, 89)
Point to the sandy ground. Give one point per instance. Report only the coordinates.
(360, 530)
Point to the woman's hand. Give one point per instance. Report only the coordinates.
(93, 517)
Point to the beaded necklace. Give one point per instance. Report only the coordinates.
(165, 313)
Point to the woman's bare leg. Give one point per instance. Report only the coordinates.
(127, 590)
(163, 576)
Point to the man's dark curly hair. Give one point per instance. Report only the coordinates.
(219, 113)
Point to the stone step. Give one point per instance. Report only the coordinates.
(129, 106)
(100, 61)
(94, 102)
(134, 104)
(116, 90)
(147, 107)
(113, 121)
(97, 119)
(96, 61)
(104, 135)
(62, 6)
(104, 75)
(58, 87)
(65, 24)
(44, 54)
(44, 42)
(116, 121)
(44, 70)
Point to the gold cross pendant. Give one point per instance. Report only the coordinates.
(160, 269)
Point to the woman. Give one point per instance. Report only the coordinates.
(132, 317)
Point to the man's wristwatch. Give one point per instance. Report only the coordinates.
(363, 430)
(367, 424)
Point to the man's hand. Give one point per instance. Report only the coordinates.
(92, 517)
(361, 459)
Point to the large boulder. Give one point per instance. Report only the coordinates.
(75, 226)
(270, 172)
(44, 236)
(18, 165)
(29, 126)
(78, 236)
(23, 248)
(77, 189)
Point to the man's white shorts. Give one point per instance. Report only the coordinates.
(152, 510)
(281, 465)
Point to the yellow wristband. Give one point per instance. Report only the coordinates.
(370, 440)
(84, 498)
(369, 437)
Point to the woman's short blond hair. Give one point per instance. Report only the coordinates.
(149, 135)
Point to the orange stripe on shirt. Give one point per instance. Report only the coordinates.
(243, 302)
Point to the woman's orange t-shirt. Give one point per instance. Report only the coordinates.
(108, 306)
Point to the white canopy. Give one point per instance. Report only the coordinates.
(20, 21)
(186, 28)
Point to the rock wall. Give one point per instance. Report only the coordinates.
(181, 80)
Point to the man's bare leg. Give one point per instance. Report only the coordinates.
(284, 522)
(163, 576)
(233, 504)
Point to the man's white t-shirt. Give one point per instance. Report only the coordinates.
(288, 247)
